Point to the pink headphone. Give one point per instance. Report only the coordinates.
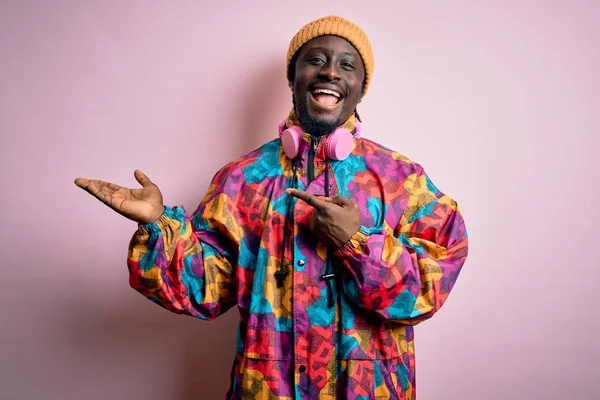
(338, 145)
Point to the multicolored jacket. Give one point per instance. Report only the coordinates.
(340, 323)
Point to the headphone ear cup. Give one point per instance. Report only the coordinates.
(290, 140)
(339, 144)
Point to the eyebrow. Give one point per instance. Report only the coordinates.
(328, 50)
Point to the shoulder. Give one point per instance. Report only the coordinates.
(253, 167)
(386, 161)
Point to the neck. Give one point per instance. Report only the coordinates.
(351, 125)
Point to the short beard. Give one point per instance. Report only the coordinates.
(311, 125)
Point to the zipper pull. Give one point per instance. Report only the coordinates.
(311, 159)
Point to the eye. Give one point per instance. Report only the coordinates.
(347, 65)
(316, 60)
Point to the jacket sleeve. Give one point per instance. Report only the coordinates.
(405, 275)
(187, 265)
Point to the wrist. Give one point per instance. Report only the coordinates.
(157, 214)
(354, 244)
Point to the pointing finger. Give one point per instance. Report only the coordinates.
(311, 199)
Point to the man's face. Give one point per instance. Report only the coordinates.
(328, 82)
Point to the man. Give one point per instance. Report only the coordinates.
(331, 245)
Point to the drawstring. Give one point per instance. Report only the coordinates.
(283, 270)
(329, 274)
(326, 178)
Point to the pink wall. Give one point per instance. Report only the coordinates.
(498, 100)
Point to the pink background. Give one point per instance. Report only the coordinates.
(498, 100)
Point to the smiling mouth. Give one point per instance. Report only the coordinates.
(326, 98)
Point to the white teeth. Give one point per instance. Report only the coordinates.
(327, 91)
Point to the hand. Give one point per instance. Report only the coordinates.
(143, 205)
(333, 221)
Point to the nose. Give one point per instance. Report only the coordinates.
(330, 71)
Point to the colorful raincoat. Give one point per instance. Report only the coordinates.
(315, 323)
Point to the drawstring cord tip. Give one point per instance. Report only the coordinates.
(330, 297)
(280, 277)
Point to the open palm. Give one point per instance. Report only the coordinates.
(142, 205)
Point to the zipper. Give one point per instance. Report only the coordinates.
(311, 158)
